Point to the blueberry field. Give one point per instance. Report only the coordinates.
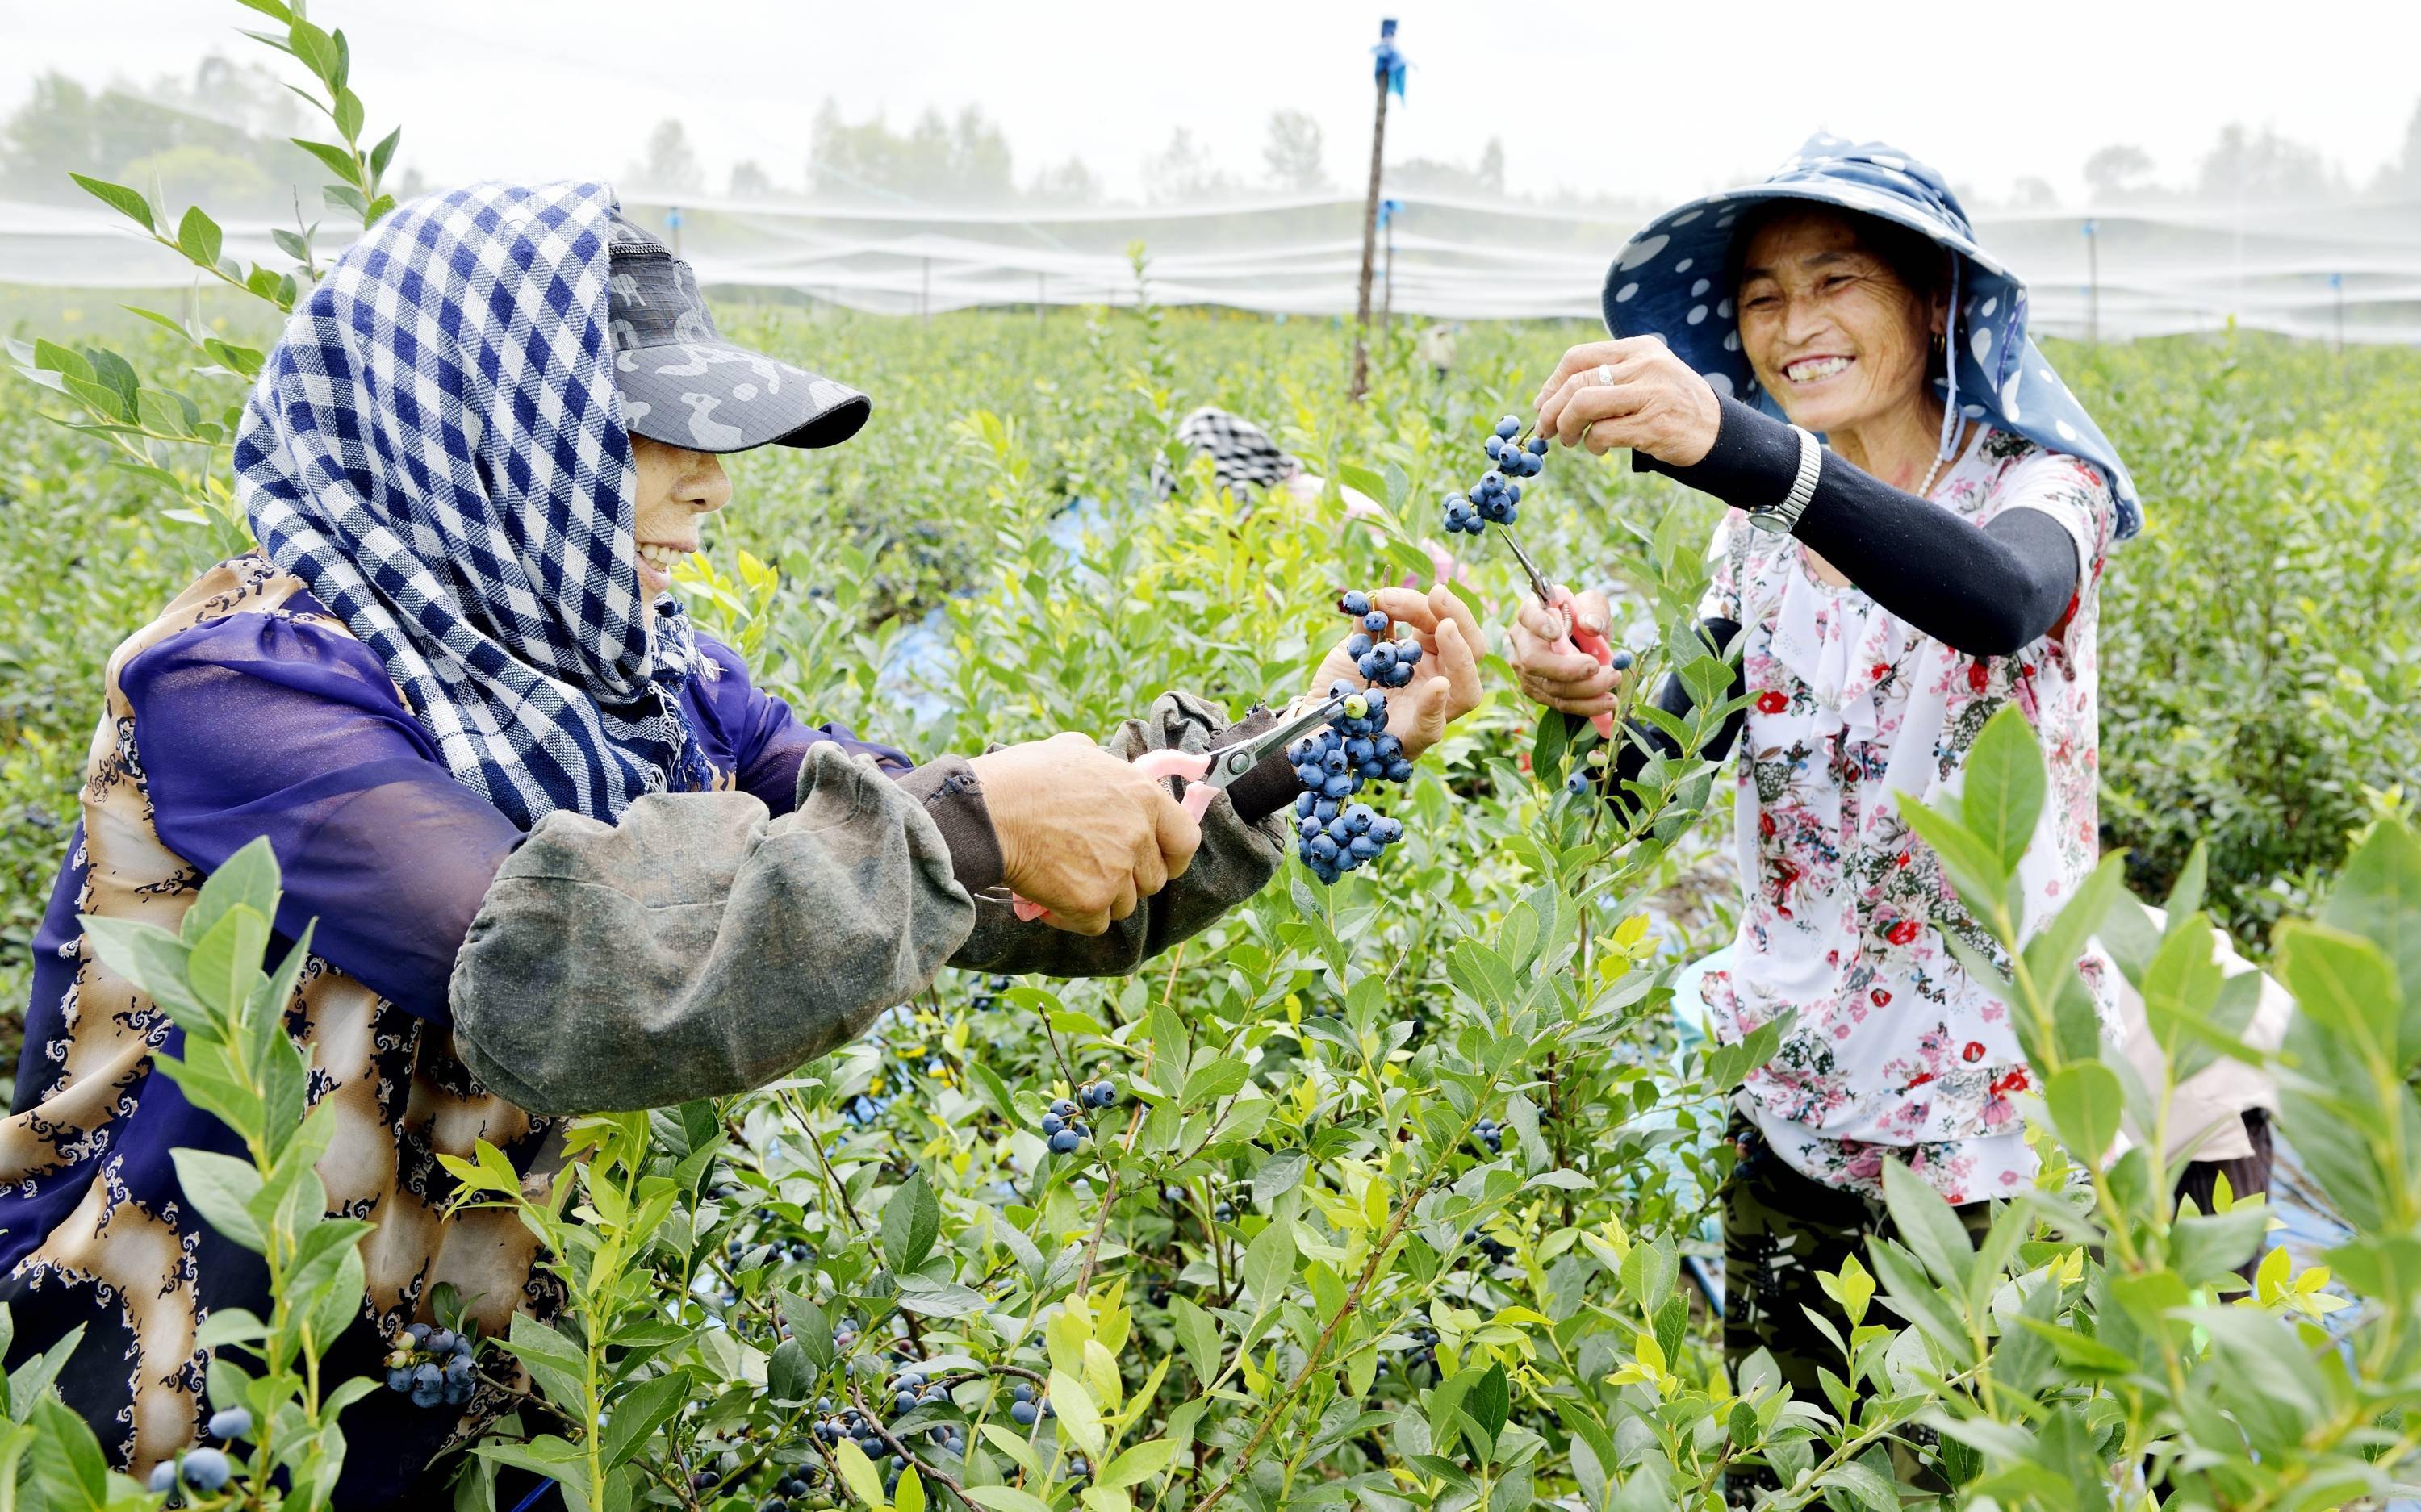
(1394, 1190)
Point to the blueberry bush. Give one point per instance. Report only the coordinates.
(1394, 1193)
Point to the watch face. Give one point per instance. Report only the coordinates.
(1770, 521)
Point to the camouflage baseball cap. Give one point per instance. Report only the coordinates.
(684, 385)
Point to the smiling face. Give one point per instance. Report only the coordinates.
(676, 489)
(1833, 332)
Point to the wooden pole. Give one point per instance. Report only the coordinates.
(1370, 248)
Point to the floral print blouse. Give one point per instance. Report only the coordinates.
(1895, 1049)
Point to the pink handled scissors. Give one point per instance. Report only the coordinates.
(1555, 596)
(1204, 772)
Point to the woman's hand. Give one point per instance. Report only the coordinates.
(1645, 398)
(1447, 686)
(1565, 679)
(1081, 831)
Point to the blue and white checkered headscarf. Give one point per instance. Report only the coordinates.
(1664, 285)
(435, 448)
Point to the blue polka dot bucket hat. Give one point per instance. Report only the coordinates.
(1664, 285)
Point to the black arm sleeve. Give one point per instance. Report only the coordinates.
(1985, 592)
(1673, 697)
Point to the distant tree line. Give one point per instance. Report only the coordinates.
(220, 136)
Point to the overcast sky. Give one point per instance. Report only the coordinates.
(1622, 98)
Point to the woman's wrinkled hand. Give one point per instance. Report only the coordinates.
(1081, 831)
(1447, 686)
(1554, 674)
(1630, 391)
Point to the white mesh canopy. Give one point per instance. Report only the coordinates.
(2304, 270)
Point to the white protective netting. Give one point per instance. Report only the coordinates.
(2345, 267)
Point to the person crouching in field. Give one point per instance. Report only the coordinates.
(562, 856)
(1935, 556)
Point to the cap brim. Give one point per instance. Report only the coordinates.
(715, 397)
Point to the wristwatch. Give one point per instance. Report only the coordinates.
(1783, 518)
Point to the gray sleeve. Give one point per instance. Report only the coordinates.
(699, 948)
(1236, 861)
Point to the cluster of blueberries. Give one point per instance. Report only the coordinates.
(1382, 664)
(1497, 1251)
(1491, 1134)
(987, 993)
(1496, 499)
(848, 1423)
(766, 1252)
(434, 1366)
(1024, 1410)
(788, 1488)
(1064, 1125)
(204, 1469)
(1335, 836)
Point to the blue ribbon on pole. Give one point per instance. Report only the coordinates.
(1387, 64)
(1387, 209)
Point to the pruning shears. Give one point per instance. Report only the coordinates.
(1555, 596)
(1206, 772)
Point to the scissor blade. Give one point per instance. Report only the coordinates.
(1538, 583)
(1231, 762)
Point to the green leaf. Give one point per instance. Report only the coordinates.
(51, 357)
(788, 1377)
(858, 1473)
(340, 162)
(1649, 1272)
(1280, 1174)
(1971, 864)
(1911, 1294)
(928, 1298)
(248, 879)
(2345, 985)
(30, 1382)
(154, 960)
(117, 198)
(1002, 1498)
(384, 154)
(1216, 1080)
(226, 961)
(198, 238)
(316, 48)
(221, 1188)
(912, 1219)
(2086, 1102)
(2001, 794)
(2180, 987)
(1866, 1486)
(645, 1408)
(558, 1367)
(1925, 1221)
(1490, 1401)
(68, 1464)
(1269, 1264)
(1197, 1336)
(2377, 896)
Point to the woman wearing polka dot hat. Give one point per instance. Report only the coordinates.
(1920, 514)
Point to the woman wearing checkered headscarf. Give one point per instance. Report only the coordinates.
(451, 690)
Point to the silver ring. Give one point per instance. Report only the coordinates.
(1605, 375)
